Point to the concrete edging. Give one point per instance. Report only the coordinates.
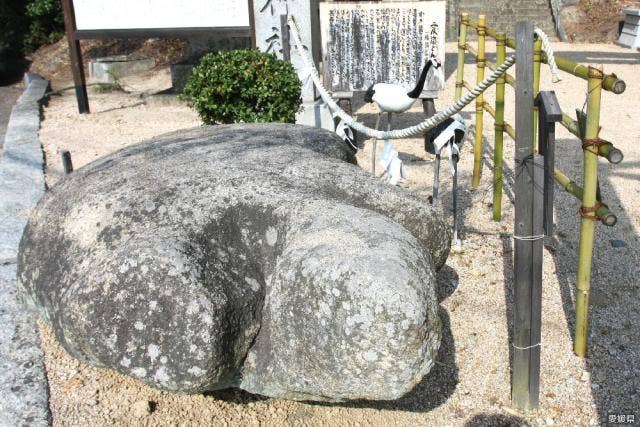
(24, 390)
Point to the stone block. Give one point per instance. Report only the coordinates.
(251, 256)
(630, 35)
(111, 68)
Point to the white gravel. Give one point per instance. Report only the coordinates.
(470, 383)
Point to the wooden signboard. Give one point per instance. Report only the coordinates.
(365, 43)
(95, 19)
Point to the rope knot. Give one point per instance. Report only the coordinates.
(593, 142)
(590, 213)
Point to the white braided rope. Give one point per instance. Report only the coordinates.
(546, 46)
(418, 129)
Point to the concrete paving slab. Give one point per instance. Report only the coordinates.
(24, 392)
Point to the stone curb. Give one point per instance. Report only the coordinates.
(24, 391)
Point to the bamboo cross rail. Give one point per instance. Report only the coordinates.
(592, 208)
(610, 82)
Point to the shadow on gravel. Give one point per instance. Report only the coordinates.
(495, 420)
(613, 359)
(585, 57)
(235, 395)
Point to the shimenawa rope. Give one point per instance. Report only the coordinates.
(419, 128)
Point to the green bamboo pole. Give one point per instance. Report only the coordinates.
(587, 228)
(571, 125)
(610, 82)
(462, 45)
(507, 127)
(501, 54)
(477, 155)
(606, 150)
(472, 50)
(611, 153)
(605, 215)
(537, 60)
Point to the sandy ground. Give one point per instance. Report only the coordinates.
(470, 383)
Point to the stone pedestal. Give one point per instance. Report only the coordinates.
(110, 69)
(317, 114)
(630, 35)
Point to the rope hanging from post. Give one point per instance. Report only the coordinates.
(546, 46)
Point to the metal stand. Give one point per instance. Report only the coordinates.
(373, 149)
(375, 141)
(456, 242)
(436, 181)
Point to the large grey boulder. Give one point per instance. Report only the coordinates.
(254, 256)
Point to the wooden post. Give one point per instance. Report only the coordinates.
(477, 151)
(536, 281)
(523, 227)
(462, 46)
(285, 38)
(501, 55)
(67, 165)
(549, 113)
(75, 55)
(587, 228)
(429, 109)
(252, 24)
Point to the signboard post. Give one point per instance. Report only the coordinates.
(97, 19)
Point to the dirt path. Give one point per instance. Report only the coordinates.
(470, 383)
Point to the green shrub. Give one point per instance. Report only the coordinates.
(244, 86)
(46, 23)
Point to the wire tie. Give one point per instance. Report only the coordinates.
(529, 238)
(527, 348)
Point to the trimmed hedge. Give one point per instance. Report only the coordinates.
(244, 85)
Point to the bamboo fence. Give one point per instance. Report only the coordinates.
(586, 128)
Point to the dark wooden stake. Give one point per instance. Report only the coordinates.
(285, 38)
(429, 109)
(536, 282)
(550, 113)
(252, 24)
(523, 227)
(67, 165)
(77, 68)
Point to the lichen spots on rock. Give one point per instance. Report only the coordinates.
(272, 236)
(253, 283)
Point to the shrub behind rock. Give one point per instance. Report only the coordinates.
(244, 85)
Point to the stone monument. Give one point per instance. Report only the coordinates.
(630, 34)
(269, 38)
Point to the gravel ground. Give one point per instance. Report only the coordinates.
(469, 385)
